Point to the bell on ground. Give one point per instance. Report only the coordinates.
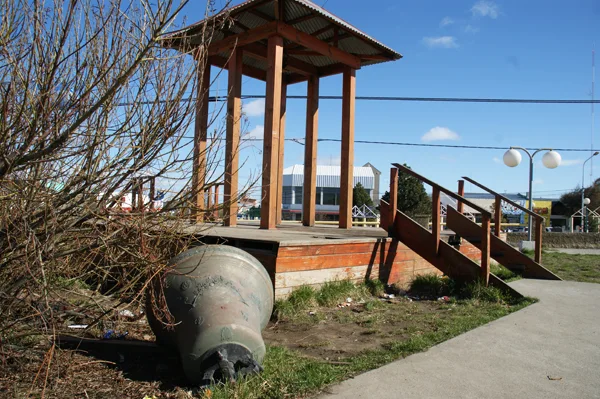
(221, 299)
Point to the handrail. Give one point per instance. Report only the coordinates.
(513, 203)
(449, 193)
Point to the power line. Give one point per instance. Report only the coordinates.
(473, 147)
(392, 98)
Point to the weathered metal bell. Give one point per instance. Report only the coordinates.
(221, 298)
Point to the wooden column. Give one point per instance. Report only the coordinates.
(209, 204)
(347, 156)
(234, 109)
(200, 132)
(281, 152)
(497, 216)
(216, 203)
(485, 249)
(539, 228)
(310, 152)
(460, 206)
(435, 219)
(268, 219)
(152, 193)
(393, 197)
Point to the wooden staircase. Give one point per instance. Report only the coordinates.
(429, 245)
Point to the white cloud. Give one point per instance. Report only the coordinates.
(471, 29)
(257, 133)
(497, 160)
(254, 107)
(538, 182)
(446, 21)
(440, 133)
(441, 41)
(484, 8)
(571, 162)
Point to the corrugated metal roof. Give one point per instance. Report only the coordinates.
(328, 176)
(356, 42)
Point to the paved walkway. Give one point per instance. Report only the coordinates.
(548, 350)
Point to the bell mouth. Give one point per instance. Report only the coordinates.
(227, 363)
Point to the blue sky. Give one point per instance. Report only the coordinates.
(491, 49)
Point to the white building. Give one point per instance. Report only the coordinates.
(328, 189)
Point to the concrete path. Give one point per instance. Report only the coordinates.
(548, 350)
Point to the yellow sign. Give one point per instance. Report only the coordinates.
(542, 208)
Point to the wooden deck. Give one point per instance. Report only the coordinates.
(295, 255)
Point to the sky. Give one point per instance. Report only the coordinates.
(477, 48)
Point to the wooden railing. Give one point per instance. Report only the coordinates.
(539, 220)
(436, 213)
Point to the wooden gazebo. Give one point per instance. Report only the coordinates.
(281, 42)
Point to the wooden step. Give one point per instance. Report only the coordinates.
(511, 258)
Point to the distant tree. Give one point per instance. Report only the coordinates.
(412, 197)
(360, 196)
(572, 200)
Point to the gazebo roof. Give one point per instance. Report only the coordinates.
(316, 42)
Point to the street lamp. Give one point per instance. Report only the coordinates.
(583, 200)
(551, 160)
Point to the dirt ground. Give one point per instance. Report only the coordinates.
(133, 367)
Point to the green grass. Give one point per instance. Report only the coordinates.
(503, 273)
(287, 374)
(584, 268)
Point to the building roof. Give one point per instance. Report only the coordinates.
(303, 15)
(328, 176)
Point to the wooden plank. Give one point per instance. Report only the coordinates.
(200, 135)
(347, 155)
(497, 216)
(310, 152)
(281, 152)
(435, 219)
(331, 249)
(259, 52)
(242, 39)
(485, 250)
(312, 43)
(539, 228)
(393, 198)
(232, 140)
(460, 206)
(310, 277)
(271, 133)
(247, 70)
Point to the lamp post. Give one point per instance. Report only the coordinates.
(551, 160)
(583, 204)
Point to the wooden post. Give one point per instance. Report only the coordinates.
(539, 228)
(209, 204)
(393, 197)
(200, 133)
(310, 153)
(216, 203)
(268, 209)
(152, 192)
(435, 218)
(232, 143)
(281, 152)
(140, 194)
(347, 156)
(497, 216)
(485, 249)
(460, 207)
